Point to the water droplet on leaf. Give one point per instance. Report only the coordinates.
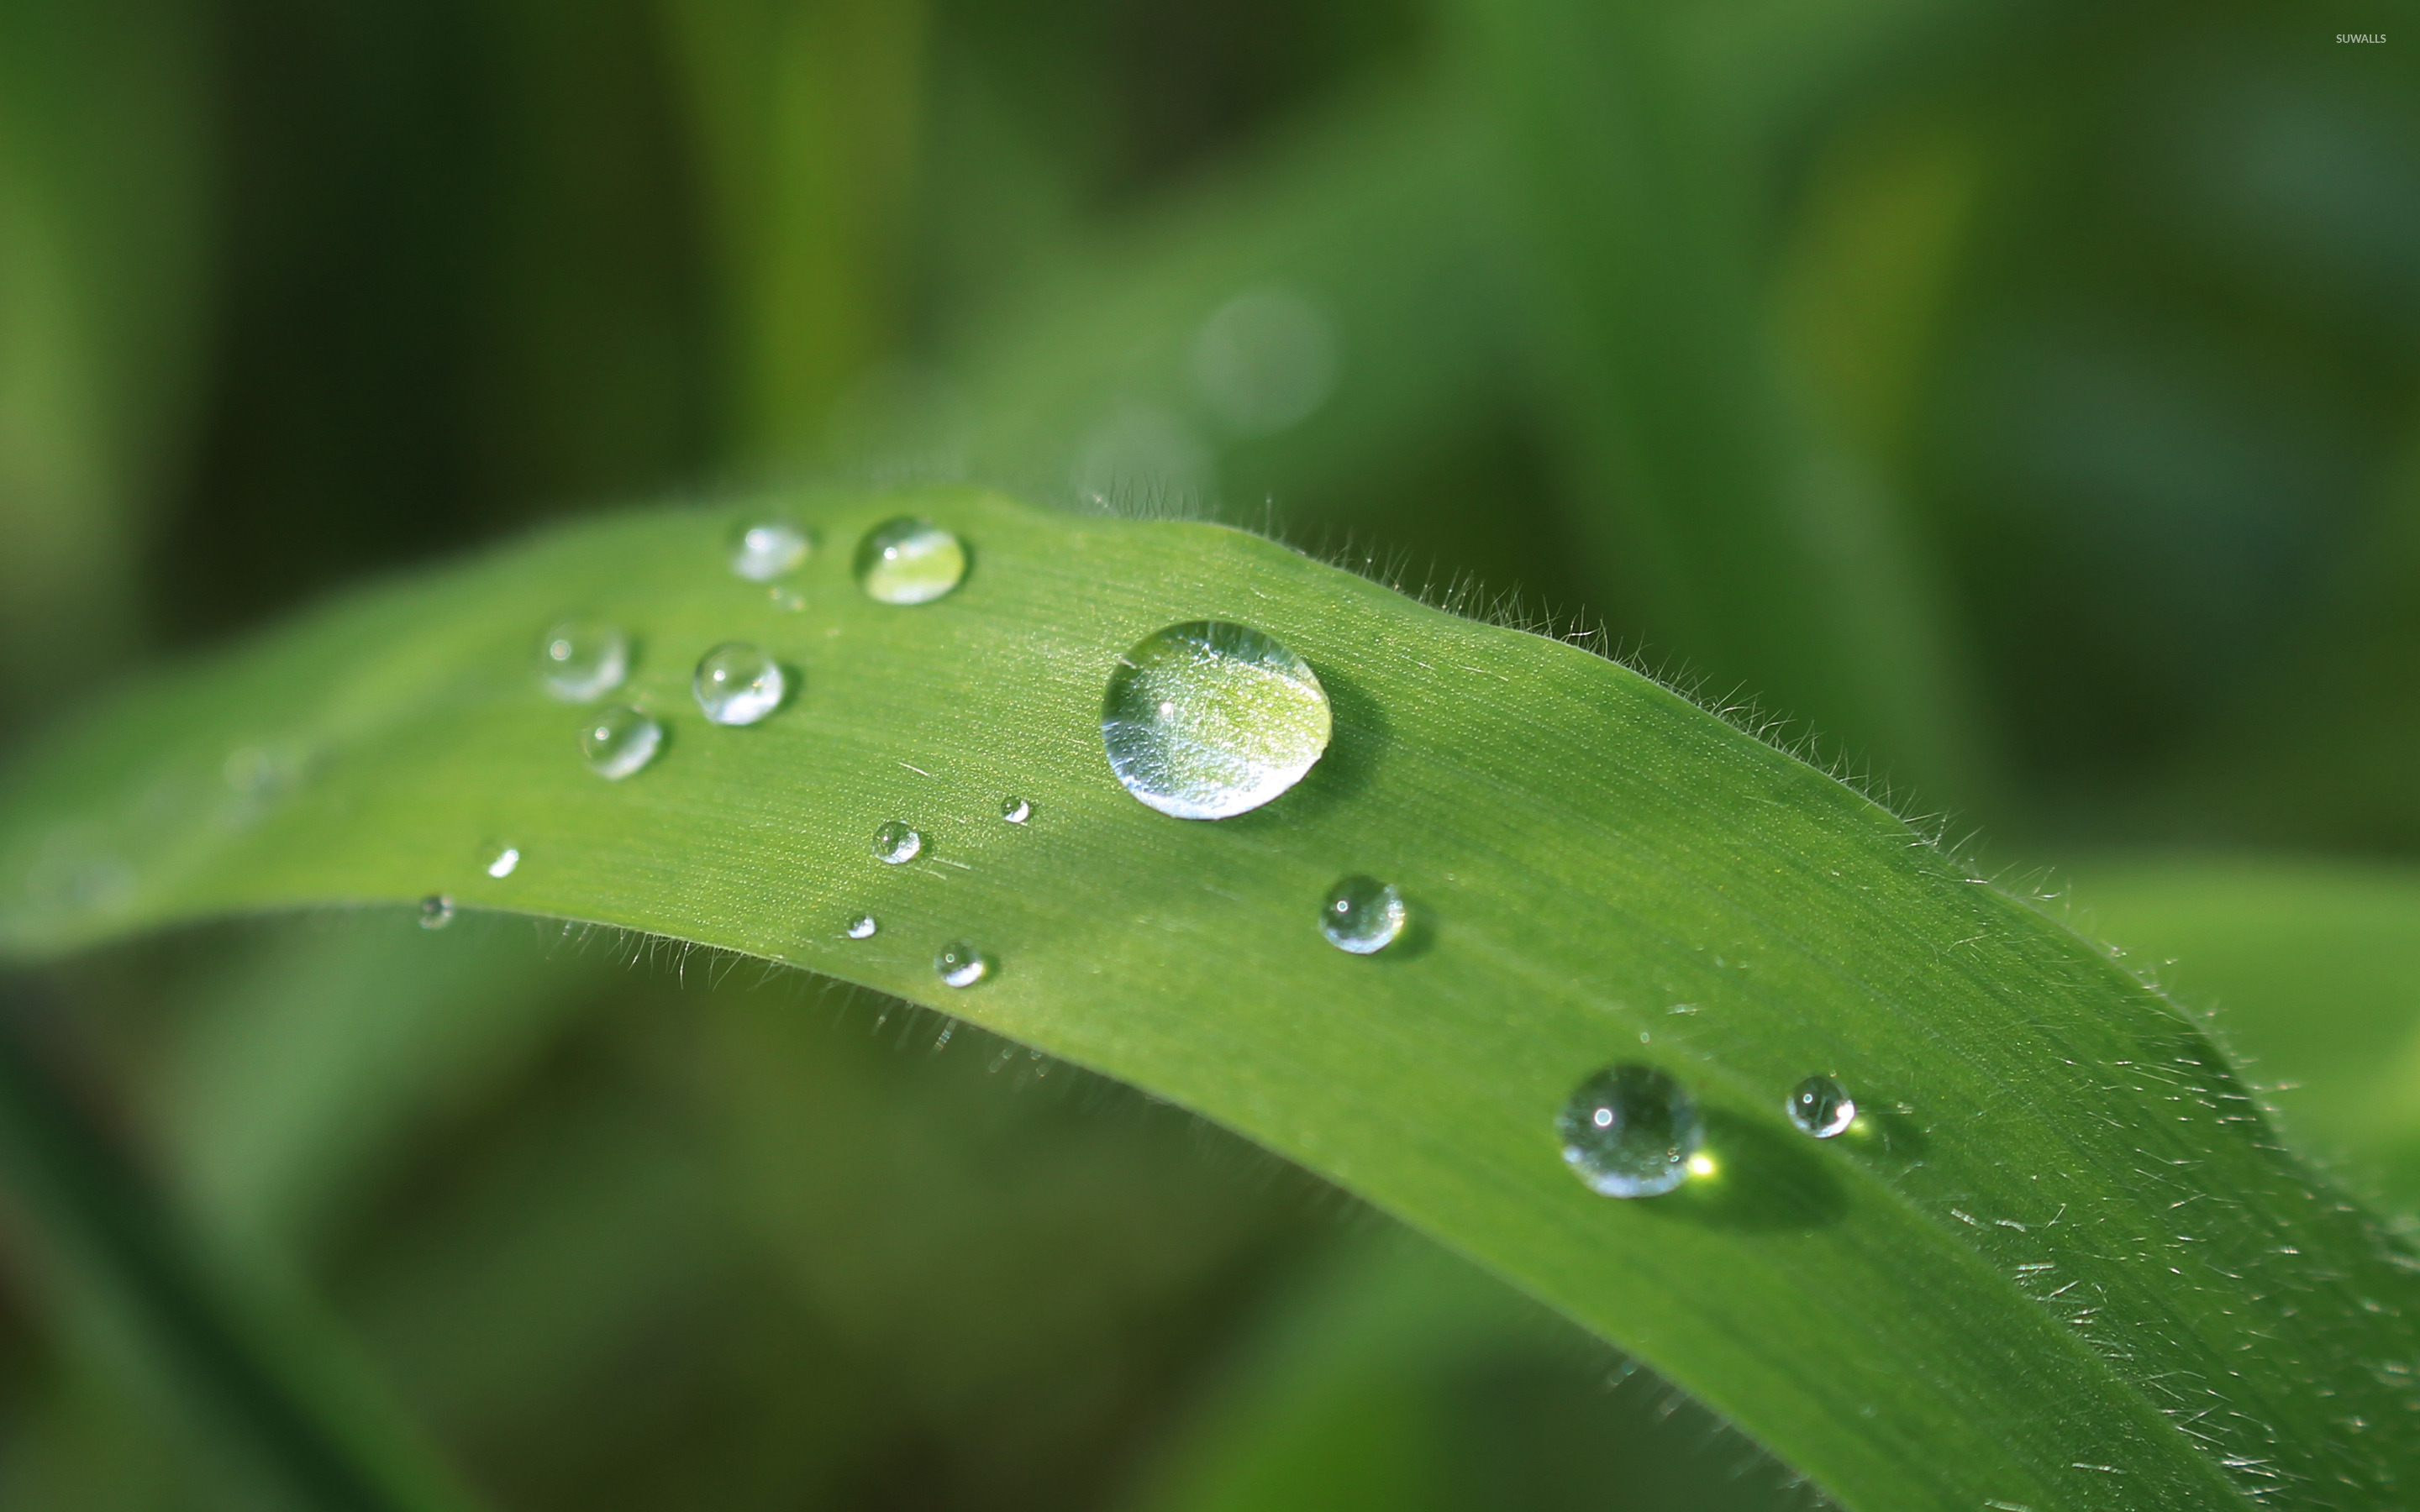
(961, 965)
(1362, 914)
(580, 659)
(1016, 810)
(1629, 1131)
(739, 684)
(1209, 719)
(1822, 1107)
(896, 843)
(862, 927)
(261, 773)
(503, 862)
(436, 911)
(619, 741)
(908, 561)
(764, 550)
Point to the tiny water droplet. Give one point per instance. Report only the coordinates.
(862, 927)
(1016, 810)
(961, 965)
(1822, 1107)
(1629, 1131)
(1209, 719)
(436, 911)
(896, 843)
(1362, 914)
(767, 548)
(507, 859)
(580, 659)
(739, 684)
(909, 561)
(619, 741)
(261, 773)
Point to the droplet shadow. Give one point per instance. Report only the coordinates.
(1419, 935)
(1359, 734)
(1765, 1179)
(1889, 1134)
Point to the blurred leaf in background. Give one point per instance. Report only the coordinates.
(2017, 402)
(107, 173)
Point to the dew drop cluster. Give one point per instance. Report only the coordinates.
(906, 561)
(1204, 720)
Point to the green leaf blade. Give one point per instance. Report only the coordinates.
(2075, 1272)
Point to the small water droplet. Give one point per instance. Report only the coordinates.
(1016, 810)
(1209, 719)
(908, 561)
(619, 741)
(580, 659)
(1822, 1107)
(862, 927)
(1629, 1131)
(1362, 914)
(767, 548)
(739, 684)
(961, 965)
(262, 774)
(896, 843)
(436, 911)
(505, 859)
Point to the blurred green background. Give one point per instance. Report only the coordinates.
(2015, 405)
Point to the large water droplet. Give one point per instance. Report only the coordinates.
(739, 684)
(505, 860)
(619, 741)
(908, 561)
(580, 659)
(1629, 1131)
(1822, 1107)
(1362, 914)
(436, 911)
(1016, 810)
(764, 550)
(896, 843)
(862, 927)
(1210, 719)
(961, 965)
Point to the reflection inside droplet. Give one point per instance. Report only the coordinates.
(1210, 719)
